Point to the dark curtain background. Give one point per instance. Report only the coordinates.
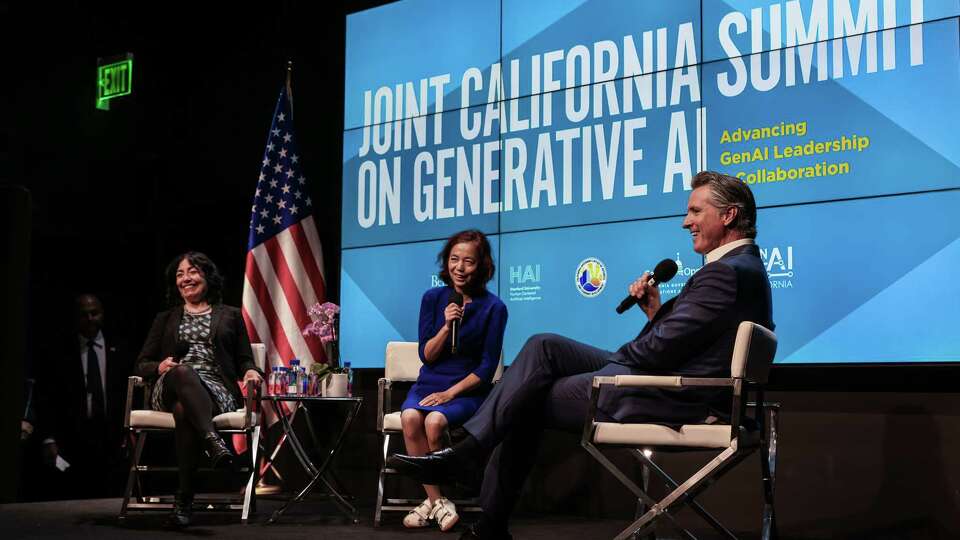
(116, 194)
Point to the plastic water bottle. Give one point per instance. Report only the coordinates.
(293, 376)
(346, 367)
(285, 381)
(275, 381)
(303, 382)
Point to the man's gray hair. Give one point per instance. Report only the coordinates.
(727, 191)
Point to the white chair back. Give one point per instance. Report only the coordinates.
(753, 352)
(497, 375)
(260, 356)
(402, 361)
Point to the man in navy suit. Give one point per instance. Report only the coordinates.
(548, 385)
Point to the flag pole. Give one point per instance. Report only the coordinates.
(289, 88)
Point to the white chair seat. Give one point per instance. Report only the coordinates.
(151, 419)
(392, 422)
(234, 420)
(693, 435)
(164, 420)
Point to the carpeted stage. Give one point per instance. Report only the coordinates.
(97, 518)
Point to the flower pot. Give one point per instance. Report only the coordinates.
(335, 385)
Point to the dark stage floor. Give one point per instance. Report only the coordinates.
(96, 518)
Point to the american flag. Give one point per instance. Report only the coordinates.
(284, 267)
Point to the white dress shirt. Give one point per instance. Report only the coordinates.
(727, 248)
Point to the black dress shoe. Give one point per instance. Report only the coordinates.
(182, 511)
(440, 467)
(478, 532)
(217, 450)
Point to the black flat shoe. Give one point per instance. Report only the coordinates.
(217, 451)
(182, 511)
(440, 467)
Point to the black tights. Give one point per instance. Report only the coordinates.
(185, 395)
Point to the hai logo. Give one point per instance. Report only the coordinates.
(525, 283)
(522, 274)
(591, 277)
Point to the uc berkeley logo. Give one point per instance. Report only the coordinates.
(591, 277)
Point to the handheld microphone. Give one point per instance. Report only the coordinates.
(455, 298)
(664, 272)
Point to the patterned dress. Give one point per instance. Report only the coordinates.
(195, 331)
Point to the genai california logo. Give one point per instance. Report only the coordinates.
(779, 263)
(591, 277)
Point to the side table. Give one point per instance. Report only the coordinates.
(321, 473)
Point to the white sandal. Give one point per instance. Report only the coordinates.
(419, 516)
(445, 512)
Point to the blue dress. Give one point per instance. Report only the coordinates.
(478, 352)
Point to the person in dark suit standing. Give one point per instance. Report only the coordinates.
(193, 357)
(549, 383)
(81, 400)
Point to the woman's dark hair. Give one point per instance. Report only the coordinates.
(210, 272)
(485, 266)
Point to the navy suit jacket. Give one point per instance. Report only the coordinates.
(693, 335)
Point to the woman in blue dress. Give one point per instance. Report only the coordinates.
(452, 384)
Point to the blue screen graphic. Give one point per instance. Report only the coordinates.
(569, 130)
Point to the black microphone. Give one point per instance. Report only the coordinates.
(455, 298)
(663, 273)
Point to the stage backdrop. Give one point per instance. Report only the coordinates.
(569, 130)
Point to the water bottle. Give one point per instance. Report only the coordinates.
(293, 375)
(275, 380)
(346, 367)
(279, 381)
(282, 384)
(303, 381)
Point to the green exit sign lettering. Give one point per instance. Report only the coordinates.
(114, 80)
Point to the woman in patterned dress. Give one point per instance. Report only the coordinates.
(194, 355)
(452, 384)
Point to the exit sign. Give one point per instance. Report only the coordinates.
(114, 79)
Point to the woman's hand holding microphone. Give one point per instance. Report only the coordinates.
(452, 313)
